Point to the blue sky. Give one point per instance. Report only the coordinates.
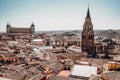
(59, 14)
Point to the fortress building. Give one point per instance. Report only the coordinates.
(10, 29)
(88, 35)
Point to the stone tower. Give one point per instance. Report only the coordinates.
(32, 28)
(88, 35)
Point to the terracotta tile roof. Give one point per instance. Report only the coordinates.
(94, 77)
(112, 75)
(64, 73)
(53, 77)
(38, 77)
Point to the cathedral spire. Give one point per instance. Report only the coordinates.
(88, 13)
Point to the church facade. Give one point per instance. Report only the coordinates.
(88, 35)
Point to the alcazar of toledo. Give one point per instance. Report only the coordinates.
(10, 29)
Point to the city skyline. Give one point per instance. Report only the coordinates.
(50, 15)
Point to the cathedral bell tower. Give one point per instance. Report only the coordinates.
(88, 35)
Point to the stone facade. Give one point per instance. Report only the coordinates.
(10, 29)
(88, 35)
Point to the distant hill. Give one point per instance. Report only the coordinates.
(64, 31)
(71, 33)
(110, 34)
(99, 33)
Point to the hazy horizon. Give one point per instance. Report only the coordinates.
(56, 15)
(66, 30)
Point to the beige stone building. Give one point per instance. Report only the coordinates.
(10, 29)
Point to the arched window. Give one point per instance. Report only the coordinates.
(90, 36)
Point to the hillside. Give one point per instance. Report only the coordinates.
(110, 34)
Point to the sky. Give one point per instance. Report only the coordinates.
(50, 15)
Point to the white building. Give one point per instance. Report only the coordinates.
(83, 71)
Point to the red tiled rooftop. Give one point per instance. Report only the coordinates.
(64, 73)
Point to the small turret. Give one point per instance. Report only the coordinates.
(32, 25)
(32, 28)
(8, 28)
(8, 25)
